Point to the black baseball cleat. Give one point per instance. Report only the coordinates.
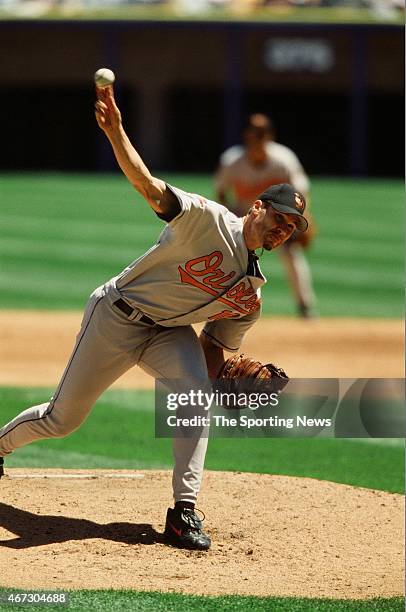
(1, 467)
(183, 529)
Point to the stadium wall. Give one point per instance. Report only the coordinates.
(334, 91)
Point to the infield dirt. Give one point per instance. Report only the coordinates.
(35, 347)
(272, 535)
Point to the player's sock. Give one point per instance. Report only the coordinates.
(180, 505)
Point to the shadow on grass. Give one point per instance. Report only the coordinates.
(36, 530)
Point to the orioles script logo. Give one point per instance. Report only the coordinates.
(205, 274)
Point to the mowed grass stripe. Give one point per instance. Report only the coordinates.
(333, 271)
(369, 233)
(16, 244)
(370, 278)
(120, 432)
(14, 250)
(45, 220)
(78, 227)
(67, 228)
(26, 290)
(54, 282)
(356, 194)
(14, 253)
(150, 601)
(34, 457)
(357, 293)
(69, 194)
(345, 251)
(331, 305)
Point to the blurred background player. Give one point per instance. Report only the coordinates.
(245, 171)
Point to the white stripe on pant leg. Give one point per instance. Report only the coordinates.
(35, 423)
(83, 329)
(9, 436)
(107, 346)
(30, 425)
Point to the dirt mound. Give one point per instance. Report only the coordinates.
(35, 347)
(272, 535)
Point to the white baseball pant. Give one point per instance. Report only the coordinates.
(109, 344)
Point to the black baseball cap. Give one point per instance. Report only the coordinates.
(285, 199)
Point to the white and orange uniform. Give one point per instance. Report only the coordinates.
(245, 181)
(198, 270)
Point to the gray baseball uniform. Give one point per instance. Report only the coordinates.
(198, 270)
(245, 181)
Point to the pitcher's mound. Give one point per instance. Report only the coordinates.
(272, 535)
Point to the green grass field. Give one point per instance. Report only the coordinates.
(112, 601)
(63, 235)
(98, 443)
(345, 461)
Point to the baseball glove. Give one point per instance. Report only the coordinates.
(244, 375)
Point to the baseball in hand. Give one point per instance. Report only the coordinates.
(104, 77)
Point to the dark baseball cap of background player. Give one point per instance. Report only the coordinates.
(285, 199)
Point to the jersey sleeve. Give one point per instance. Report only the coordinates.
(222, 179)
(188, 202)
(299, 179)
(297, 176)
(195, 217)
(231, 155)
(228, 334)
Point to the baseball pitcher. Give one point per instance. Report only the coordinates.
(203, 267)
